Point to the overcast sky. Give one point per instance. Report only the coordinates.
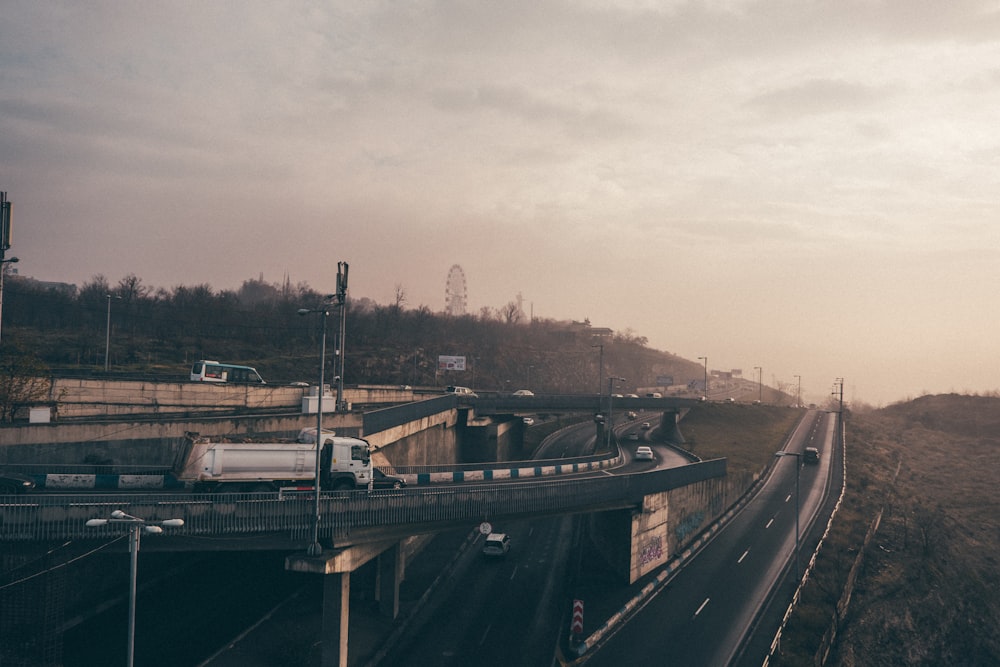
(808, 187)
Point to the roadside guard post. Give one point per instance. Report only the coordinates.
(576, 627)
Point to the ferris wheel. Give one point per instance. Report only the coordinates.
(455, 292)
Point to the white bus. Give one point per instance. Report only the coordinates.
(213, 371)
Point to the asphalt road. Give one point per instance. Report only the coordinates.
(704, 613)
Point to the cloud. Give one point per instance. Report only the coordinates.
(813, 97)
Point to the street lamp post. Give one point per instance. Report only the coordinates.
(5, 226)
(136, 526)
(706, 376)
(611, 420)
(839, 393)
(798, 466)
(315, 549)
(107, 337)
(342, 270)
(798, 391)
(760, 384)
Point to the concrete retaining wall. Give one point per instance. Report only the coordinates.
(636, 543)
(76, 397)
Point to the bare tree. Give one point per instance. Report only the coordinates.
(131, 289)
(511, 313)
(399, 298)
(23, 380)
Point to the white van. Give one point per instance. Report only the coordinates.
(462, 391)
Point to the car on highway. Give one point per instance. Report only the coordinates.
(462, 391)
(645, 426)
(632, 436)
(643, 453)
(381, 480)
(13, 483)
(810, 455)
(497, 545)
(523, 392)
(528, 421)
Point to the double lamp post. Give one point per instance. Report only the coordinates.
(136, 527)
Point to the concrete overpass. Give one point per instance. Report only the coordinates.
(653, 513)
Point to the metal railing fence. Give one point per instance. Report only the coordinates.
(345, 514)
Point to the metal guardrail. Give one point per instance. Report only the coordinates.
(348, 517)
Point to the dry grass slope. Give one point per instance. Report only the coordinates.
(929, 589)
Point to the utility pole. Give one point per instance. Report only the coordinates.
(342, 331)
(4, 243)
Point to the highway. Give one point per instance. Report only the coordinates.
(512, 611)
(708, 608)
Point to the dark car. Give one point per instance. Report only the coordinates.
(810, 455)
(11, 483)
(380, 480)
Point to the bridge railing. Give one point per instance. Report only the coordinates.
(344, 515)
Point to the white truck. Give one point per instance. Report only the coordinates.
(345, 463)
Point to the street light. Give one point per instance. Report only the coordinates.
(798, 391)
(315, 549)
(760, 384)
(342, 270)
(107, 338)
(137, 526)
(798, 466)
(611, 420)
(706, 376)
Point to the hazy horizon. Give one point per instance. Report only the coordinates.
(805, 187)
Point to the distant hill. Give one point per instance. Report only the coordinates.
(956, 414)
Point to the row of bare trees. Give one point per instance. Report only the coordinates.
(159, 331)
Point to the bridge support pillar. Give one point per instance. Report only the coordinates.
(336, 617)
(336, 567)
(390, 573)
(669, 431)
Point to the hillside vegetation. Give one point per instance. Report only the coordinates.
(161, 332)
(928, 586)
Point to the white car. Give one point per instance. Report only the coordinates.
(497, 545)
(523, 392)
(643, 453)
(528, 421)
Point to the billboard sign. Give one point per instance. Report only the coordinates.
(450, 363)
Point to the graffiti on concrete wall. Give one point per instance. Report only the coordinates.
(690, 524)
(651, 551)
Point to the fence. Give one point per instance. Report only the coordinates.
(346, 517)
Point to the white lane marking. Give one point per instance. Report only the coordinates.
(769, 523)
(788, 497)
(701, 607)
(743, 556)
(513, 574)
